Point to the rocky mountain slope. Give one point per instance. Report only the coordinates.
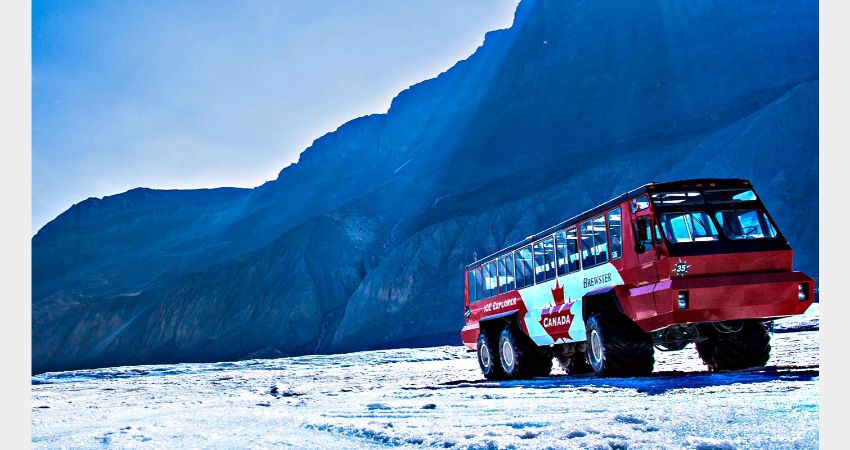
(361, 244)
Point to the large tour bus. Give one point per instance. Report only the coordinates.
(660, 266)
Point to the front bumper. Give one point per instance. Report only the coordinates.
(728, 297)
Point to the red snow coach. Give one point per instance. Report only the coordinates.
(657, 267)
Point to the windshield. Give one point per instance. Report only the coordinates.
(699, 226)
(745, 224)
(688, 227)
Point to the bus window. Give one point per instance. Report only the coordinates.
(539, 262)
(484, 293)
(677, 198)
(688, 227)
(615, 231)
(479, 284)
(472, 286)
(640, 203)
(485, 285)
(587, 258)
(600, 240)
(503, 286)
(509, 272)
(491, 287)
(524, 275)
(544, 260)
(730, 195)
(572, 249)
(549, 252)
(745, 224)
(561, 256)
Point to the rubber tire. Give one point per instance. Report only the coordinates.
(528, 360)
(493, 371)
(624, 349)
(744, 349)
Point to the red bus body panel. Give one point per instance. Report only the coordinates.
(727, 297)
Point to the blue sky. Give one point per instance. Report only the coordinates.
(181, 94)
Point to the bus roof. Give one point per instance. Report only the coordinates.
(696, 183)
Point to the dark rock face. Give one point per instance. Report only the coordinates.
(362, 243)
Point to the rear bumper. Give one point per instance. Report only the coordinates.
(729, 297)
(469, 336)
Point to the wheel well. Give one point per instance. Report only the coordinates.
(599, 302)
(494, 326)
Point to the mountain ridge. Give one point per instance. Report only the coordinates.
(361, 242)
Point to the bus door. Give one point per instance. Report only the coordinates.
(645, 247)
(643, 298)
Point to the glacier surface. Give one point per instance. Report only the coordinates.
(435, 397)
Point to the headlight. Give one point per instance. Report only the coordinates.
(683, 300)
(803, 292)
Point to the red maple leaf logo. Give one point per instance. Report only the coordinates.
(558, 294)
(556, 321)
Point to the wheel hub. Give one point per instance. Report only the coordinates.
(595, 346)
(507, 354)
(484, 354)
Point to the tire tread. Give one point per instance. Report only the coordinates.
(745, 349)
(628, 351)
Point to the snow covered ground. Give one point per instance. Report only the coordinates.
(435, 397)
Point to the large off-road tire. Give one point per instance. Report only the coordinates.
(735, 349)
(520, 357)
(488, 357)
(616, 347)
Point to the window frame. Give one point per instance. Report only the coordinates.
(470, 285)
(634, 203)
(607, 215)
(526, 275)
(490, 293)
(554, 261)
(522, 279)
(761, 216)
(689, 224)
(581, 237)
(534, 260)
(713, 201)
(577, 242)
(542, 242)
(604, 216)
(558, 272)
(500, 268)
(510, 271)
